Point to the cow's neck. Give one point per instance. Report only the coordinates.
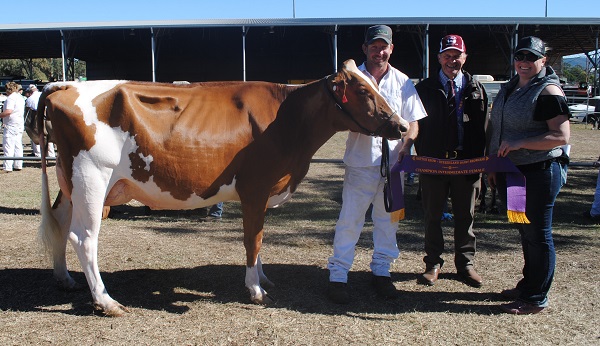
(308, 123)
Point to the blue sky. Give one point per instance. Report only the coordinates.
(125, 10)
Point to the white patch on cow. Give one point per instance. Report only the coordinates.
(278, 200)
(148, 160)
(87, 92)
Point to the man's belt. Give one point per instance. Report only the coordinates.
(453, 154)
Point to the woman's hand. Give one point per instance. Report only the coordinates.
(508, 146)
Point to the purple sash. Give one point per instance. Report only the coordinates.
(515, 181)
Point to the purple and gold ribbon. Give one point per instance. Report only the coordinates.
(515, 180)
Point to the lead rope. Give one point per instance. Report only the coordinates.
(384, 169)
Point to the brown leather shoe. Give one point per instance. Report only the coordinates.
(520, 308)
(470, 277)
(429, 277)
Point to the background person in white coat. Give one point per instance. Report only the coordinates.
(12, 117)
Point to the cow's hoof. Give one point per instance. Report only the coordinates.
(264, 300)
(260, 296)
(114, 310)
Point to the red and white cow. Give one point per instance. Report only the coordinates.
(188, 146)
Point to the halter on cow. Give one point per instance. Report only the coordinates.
(190, 146)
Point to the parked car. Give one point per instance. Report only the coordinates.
(26, 82)
(20, 80)
(588, 112)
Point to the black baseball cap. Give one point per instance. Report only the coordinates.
(376, 32)
(532, 44)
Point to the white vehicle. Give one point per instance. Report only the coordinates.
(579, 112)
(584, 112)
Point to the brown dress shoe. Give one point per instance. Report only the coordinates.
(470, 277)
(429, 277)
(520, 308)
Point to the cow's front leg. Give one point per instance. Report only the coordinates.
(253, 233)
(255, 279)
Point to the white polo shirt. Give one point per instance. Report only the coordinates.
(16, 103)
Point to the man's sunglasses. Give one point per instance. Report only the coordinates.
(528, 57)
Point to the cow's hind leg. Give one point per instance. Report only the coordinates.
(53, 231)
(83, 234)
(63, 211)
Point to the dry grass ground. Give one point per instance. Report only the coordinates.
(183, 280)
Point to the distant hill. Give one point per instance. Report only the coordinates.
(576, 60)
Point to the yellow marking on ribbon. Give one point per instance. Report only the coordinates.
(517, 217)
(397, 215)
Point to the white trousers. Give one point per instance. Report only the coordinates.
(12, 143)
(363, 186)
(35, 148)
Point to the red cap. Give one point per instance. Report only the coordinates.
(452, 42)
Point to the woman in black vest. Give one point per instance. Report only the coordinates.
(529, 124)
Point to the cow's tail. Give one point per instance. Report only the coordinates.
(40, 126)
(49, 231)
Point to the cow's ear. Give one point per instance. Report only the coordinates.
(350, 65)
(339, 84)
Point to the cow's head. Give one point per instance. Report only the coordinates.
(360, 99)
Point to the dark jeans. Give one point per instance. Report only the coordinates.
(542, 186)
(216, 210)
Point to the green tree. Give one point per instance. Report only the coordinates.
(11, 67)
(574, 74)
(39, 69)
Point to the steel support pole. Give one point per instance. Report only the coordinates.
(335, 50)
(426, 53)
(596, 72)
(513, 43)
(244, 32)
(62, 48)
(153, 53)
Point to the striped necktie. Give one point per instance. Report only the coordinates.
(452, 140)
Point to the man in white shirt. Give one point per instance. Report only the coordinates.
(12, 117)
(363, 183)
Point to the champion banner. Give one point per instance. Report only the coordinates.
(515, 181)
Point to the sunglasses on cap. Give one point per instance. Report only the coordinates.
(528, 57)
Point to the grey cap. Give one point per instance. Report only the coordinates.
(532, 44)
(376, 32)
